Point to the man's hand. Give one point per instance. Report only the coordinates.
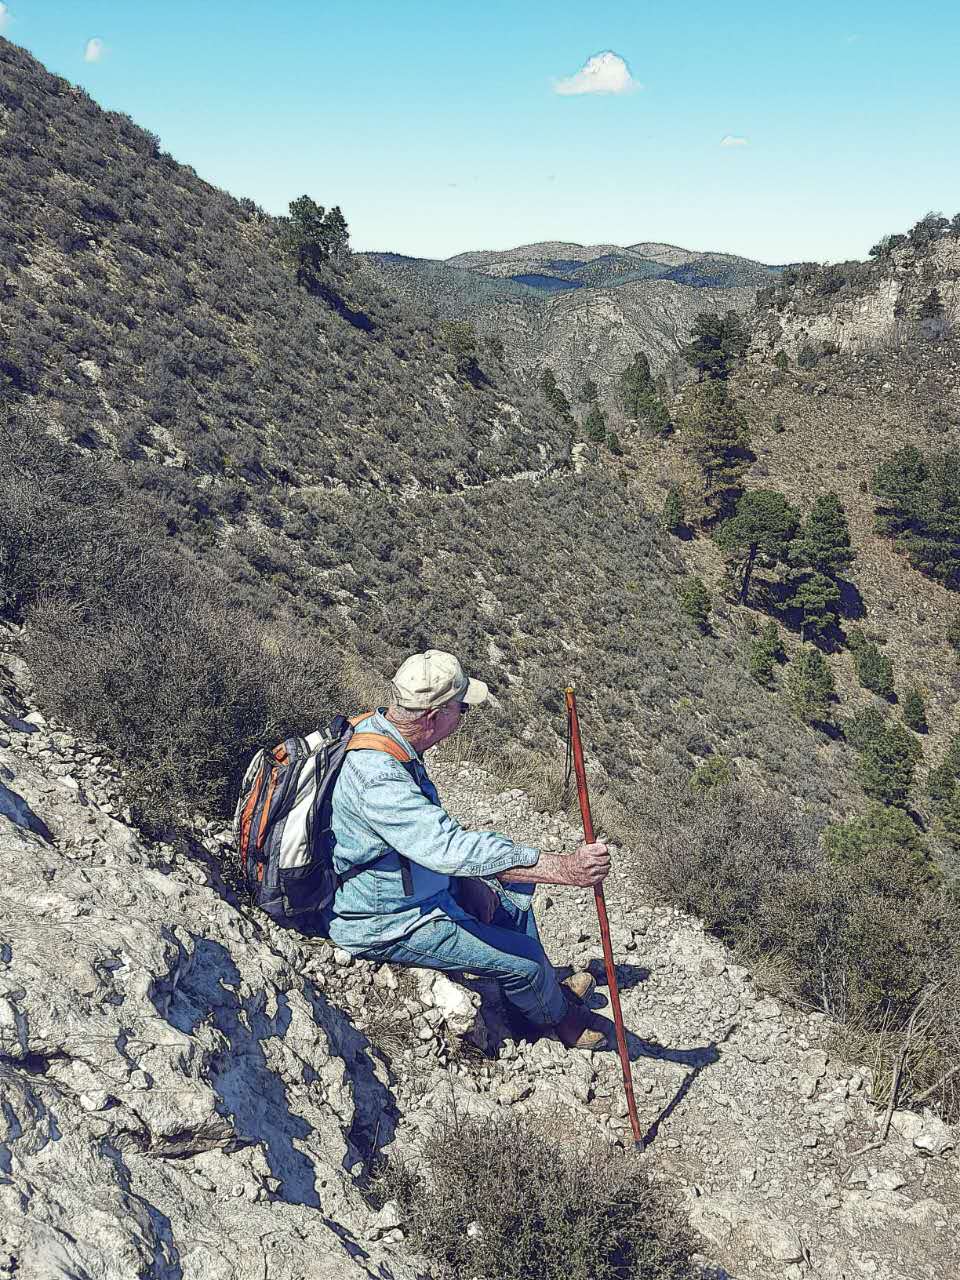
(589, 865)
(477, 899)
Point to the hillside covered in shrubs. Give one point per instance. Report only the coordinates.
(238, 494)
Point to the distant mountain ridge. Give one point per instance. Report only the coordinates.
(583, 310)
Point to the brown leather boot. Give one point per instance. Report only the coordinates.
(574, 1031)
(580, 985)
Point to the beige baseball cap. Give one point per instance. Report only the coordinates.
(428, 680)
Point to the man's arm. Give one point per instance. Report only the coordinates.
(398, 811)
(587, 866)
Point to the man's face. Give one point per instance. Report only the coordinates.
(443, 721)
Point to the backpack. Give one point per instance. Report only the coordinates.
(281, 824)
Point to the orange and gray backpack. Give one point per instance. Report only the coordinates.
(282, 820)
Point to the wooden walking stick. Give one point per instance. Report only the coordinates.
(575, 746)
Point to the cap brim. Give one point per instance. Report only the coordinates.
(476, 692)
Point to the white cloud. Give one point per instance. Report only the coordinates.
(94, 50)
(731, 140)
(603, 73)
(4, 16)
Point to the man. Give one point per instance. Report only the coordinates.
(412, 888)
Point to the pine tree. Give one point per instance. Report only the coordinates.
(715, 342)
(595, 425)
(765, 651)
(613, 444)
(885, 849)
(942, 779)
(672, 518)
(589, 391)
(810, 686)
(695, 602)
(914, 710)
(865, 726)
(716, 434)
(874, 669)
(818, 599)
(639, 397)
(760, 530)
(823, 543)
(781, 361)
(887, 764)
(553, 394)
(311, 236)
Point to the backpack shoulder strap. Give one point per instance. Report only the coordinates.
(382, 742)
(379, 742)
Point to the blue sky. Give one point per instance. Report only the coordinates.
(779, 132)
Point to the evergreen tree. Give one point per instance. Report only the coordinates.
(639, 396)
(781, 362)
(942, 779)
(311, 236)
(887, 764)
(595, 425)
(818, 599)
(715, 343)
(884, 848)
(695, 602)
(914, 710)
(613, 444)
(589, 391)
(716, 434)
(765, 651)
(953, 633)
(672, 518)
(810, 685)
(919, 507)
(760, 530)
(874, 669)
(865, 726)
(553, 394)
(823, 543)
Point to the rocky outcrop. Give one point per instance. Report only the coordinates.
(885, 313)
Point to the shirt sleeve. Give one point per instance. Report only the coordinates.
(400, 814)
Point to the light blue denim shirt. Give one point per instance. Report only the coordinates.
(381, 808)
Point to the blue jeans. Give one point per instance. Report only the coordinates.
(508, 949)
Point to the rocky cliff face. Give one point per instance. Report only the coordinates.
(189, 1092)
(884, 313)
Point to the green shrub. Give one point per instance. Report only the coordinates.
(852, 933)
(695, 602)
(865, 726)
(810, 685)
(914, 710)
(884, 850)
(887, 764)
(765, 652)
(714, 772)
(182, 687)
(781, 361)
(672, 518)
(503, 1199)
(874, 669)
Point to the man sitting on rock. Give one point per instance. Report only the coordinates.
(412, 890)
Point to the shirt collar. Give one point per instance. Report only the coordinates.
(383, 725)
